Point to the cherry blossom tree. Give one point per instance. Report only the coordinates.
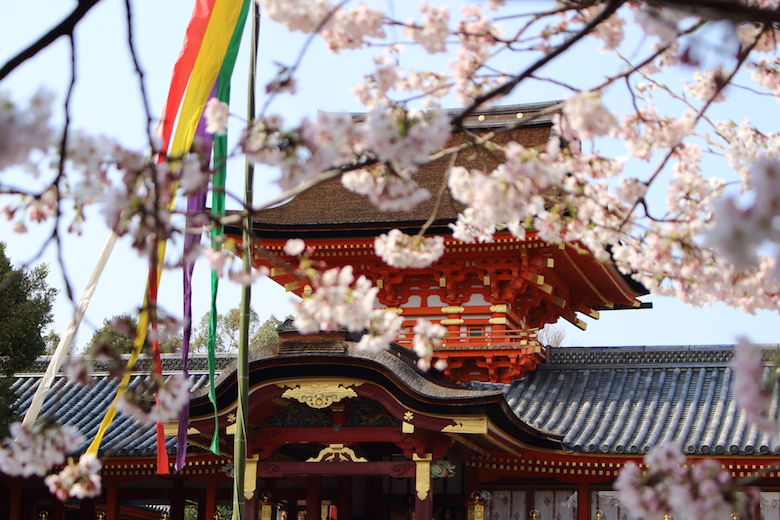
(652, 166)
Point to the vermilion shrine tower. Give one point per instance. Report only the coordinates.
(491, 297)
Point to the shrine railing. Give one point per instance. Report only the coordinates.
(480, 338)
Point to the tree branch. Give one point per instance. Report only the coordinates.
(507, 87)
(63, 28)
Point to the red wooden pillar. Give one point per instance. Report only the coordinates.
(87, 509)
(313, 497)
(57, 510)
(423, 495)
(251, 507)
(177, 500)
(112, 501)
(211, 500)
(344, 506)
(583, 502)
(15, 501)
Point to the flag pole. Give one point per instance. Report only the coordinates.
(239, 446)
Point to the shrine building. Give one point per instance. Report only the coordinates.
(511, 430)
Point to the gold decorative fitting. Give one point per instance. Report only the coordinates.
(423, 476)
(501, 307)
(217, 516)
(519, 115)
(467, 425)
(100, 515)
(307, 291)
(452, 321)
(319, 394)
(533, 514)
(337, 453)
(43, 515)
(501, 320)
(231, 418)
(408, 416)
(735, 516)
(165, 515)
(452, 309)
(599, 515)
(481, 117)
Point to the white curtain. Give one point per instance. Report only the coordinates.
(512, 505)
(770, 505)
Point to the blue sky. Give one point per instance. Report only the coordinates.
(107, 101)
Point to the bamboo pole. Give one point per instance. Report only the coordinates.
(239, 443)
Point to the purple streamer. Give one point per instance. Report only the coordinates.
(196, 204)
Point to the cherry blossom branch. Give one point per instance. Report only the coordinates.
(64, 28)
(140, 73)
(610, 7)
(723, 10)
(719, 86)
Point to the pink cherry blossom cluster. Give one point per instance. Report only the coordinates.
(382, 329)
(24, 129)
(78, 480)
(397, 249)
(752, 389)
(434, 31)
(340, 28)
(36, 450)
(738, 232)
(428, 336)
(339, 300)
(508, 196)
(155, 402)
(672, 485)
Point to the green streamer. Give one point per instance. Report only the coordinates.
(218, 204)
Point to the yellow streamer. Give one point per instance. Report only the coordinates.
(204, 73)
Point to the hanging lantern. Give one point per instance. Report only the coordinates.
(533, 514)
(599, 515)
(165, 515)
(267, 507)
(100, 515)
(217, 516)
(476, 508)
(43, 515)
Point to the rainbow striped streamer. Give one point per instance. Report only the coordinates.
(210, 45)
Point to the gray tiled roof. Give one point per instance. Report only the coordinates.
(626, 400)
(84, 408)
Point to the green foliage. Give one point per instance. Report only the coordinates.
(25, 310)
(117, 334)
(228, 329)
(52, 339)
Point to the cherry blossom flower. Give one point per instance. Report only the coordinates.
(24, 129)
(752, 392)
(155, 403)
(427, 336)
(669, 486)
(294, 247)
(398, 249)
(78, 370)
(216, 114)
(339, 300)
(35, 451)
(433, 34)
(383, 327)
(80, 480)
